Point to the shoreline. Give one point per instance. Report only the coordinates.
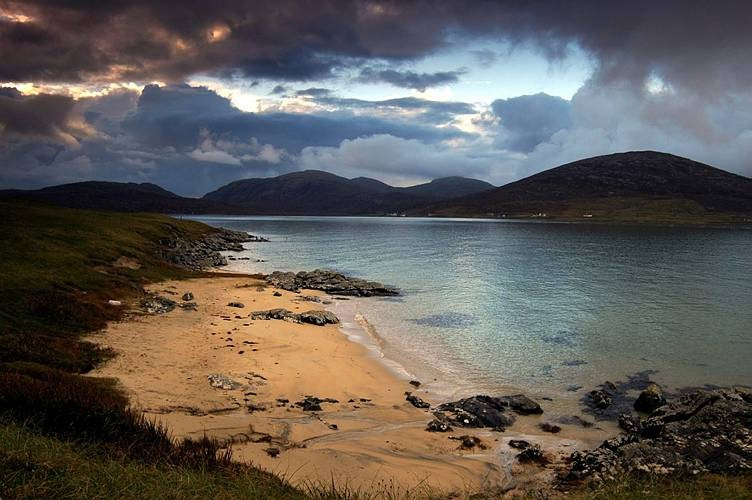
(379, 440)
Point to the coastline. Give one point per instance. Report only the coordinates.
(379, 441)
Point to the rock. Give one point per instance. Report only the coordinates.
(629, 423)
(331, 282)
(437, 425)
(319, 318)
(312, 403)
(188, 306)
(519, 444)
(416, 401)
(222, 382)
(239, 305)
(116, 303)
(522, 404)
(333, 427)
(700, 432)
(187, 297)
(478, 411)
(650, 399)
(415, 383)
(600, 399)
(532, 453)
(272, 452)
(547, 427)
(156, 304)
(277, 294)
(201, 253)
(469, 442)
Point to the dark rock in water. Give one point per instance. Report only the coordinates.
(416, 401)
(650, 399)
(187, 297)
(446, 320)
(522, 404)
(575, 420)
(272, 452)
(331, 282)
(202, 253)
(548, 427)
(519, 444)
(277, 294)
(239, 305)
(415, 383)
(574, 388)
(600, 399)
(319, 318)
(574, 362)
(702, 431)
(437, 425)
(156, 304)
(478, 411)
(532, 453)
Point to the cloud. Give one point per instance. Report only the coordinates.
(528, 120)
(40, 116)
(702, 46)
(409, 79)
(395, 160)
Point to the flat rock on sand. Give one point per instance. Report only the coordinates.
(369, 436)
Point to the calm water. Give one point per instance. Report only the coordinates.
(538, 306)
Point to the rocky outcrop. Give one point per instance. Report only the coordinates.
(702, 431)
(202, 253)
(330, 282)
(487, 411)
(318, 318)
(650, 399)
(156, 304)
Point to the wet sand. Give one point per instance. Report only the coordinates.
(370, 439)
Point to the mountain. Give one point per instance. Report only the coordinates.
(313, 192)
(448, 187)
(117, 197)
(632, 186)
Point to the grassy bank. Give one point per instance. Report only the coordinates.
(63, 434)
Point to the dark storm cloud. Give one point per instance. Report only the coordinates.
(314, 92)
(409, 79)
(529, 120)
(175, 116)
(40, 115)
(698, 44)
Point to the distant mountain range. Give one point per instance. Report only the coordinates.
(639, 186)
(320, 193)
(633, 186)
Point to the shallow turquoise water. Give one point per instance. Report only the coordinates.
(538, 306)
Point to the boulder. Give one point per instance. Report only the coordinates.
(187, 297)
(478, 411)
(239, 305)
(650, 399)
(416, 401)
(437, 425)
(522, 404)
(319, 318)
(156, 304)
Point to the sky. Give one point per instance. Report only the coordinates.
(193, 94)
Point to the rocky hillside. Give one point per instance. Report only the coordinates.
(634, 185)
(117, 197)
(314, 192)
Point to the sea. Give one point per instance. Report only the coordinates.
(549, 309)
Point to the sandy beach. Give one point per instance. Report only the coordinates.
(370, 438)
